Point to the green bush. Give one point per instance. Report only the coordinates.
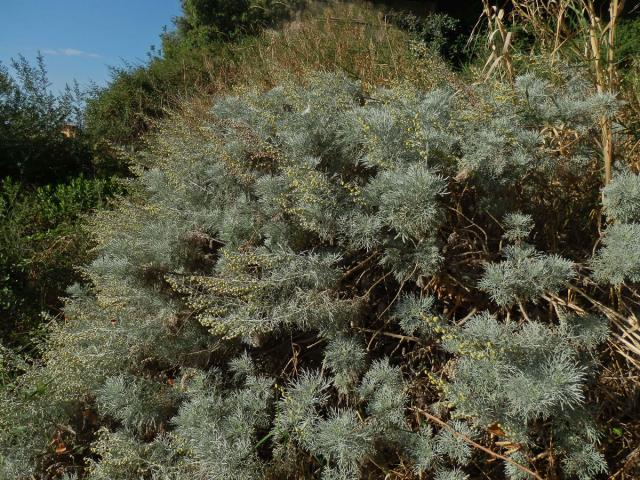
(41, 240)
(205, 22)
(440, 33)
(300, 284)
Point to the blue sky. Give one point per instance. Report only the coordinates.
(81, 38)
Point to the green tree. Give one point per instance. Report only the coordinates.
(33, 147)
(206, 21)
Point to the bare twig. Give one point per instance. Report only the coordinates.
(359, 265)
(389, 334)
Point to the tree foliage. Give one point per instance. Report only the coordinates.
(33, 148)
(204, 22)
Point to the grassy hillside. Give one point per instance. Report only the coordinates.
(354, 38)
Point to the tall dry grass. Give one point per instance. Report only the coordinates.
(354, 38)
(575, 32)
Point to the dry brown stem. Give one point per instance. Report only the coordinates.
(467, 440)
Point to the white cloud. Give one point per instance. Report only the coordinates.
(70, 52)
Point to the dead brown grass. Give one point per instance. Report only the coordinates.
(354, 38)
